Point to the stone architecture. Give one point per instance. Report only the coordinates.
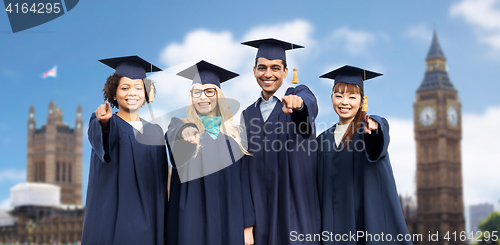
(55, 154)
(54, 158)
(438, 134)
(51, 225)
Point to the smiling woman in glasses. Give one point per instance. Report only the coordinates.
(210, 199)
(204, 99)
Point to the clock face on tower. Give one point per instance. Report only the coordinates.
(452, 115)
(427, 116)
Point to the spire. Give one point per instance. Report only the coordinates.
(435, 50)
(436, 74)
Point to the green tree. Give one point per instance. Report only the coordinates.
(490, 228)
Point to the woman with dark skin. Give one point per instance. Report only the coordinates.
(126, 196)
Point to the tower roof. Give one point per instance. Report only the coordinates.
(436, 76)
(435, 50)
(436, 80)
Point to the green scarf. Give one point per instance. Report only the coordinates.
(212, 125)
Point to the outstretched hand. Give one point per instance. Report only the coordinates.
(291, 102)
(191, 135)
(370, 124)
(103, 114)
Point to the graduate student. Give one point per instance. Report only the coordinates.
(282, 166)
(126, 192)
(357, 189)
(209, 190)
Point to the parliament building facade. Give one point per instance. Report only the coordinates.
(54, 159)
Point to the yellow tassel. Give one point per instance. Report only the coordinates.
(151, 93)
(295, 78)
(365, 104)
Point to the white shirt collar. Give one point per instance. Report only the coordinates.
(278, 94)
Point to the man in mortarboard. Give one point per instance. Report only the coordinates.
(282, 168)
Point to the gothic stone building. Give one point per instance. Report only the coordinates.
(438, 134)
(54, 156)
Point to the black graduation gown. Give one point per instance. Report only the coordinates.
(214, 209)
(126, 192)
(357, 189)
(283, 171)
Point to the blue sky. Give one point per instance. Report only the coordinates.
(390, 37)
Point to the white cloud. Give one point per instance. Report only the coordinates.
(402, 154)
(298, 32)
(5, 204)
(493, 40)
(354, 41)
(217, 47)
(12, 175)
(420, 31)
(482, 14)
(480, 156)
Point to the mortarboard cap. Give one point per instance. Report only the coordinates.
(207, 73)
(272, 49)
(350, 74)
(133, 67)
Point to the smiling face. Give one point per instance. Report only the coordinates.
(269, 75)
(346, 100)
(204, 105)
(130, 94)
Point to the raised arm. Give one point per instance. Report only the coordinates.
(103, 132)
(376, 137)
(182, 139)
(301, 103)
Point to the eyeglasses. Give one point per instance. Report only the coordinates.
(209, 92)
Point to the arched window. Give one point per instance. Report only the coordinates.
(36, 171)
(43, 171)
(57, 171)
(69, 172)
(64, 172)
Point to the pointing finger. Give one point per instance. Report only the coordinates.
(102, 109)
(367, 124)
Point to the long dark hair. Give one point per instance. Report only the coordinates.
(360, 115)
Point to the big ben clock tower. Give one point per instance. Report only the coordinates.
(438, 134)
